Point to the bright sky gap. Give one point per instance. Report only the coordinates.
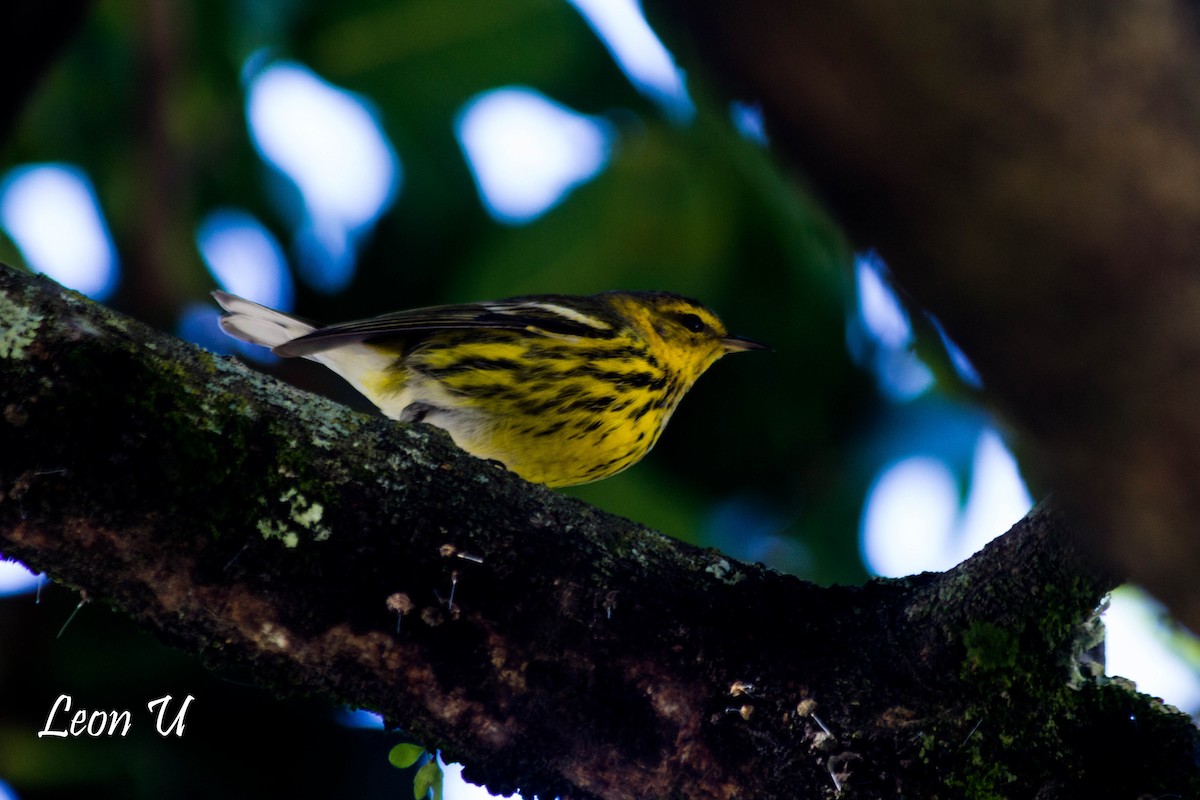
(245, 258)
(38, 203)
(331, 146)
(526, 152)
(639, 53)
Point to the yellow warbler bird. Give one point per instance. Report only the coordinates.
(560, 389)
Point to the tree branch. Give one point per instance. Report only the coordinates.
(582, 655)
(1029, 172)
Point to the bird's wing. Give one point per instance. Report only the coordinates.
(551, 315)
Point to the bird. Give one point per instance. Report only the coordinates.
(560, 389)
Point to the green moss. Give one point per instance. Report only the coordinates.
(990, 649)
(1011, 663)
(984, 779)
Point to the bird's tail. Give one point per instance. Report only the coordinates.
(367, 369)
(257, 324)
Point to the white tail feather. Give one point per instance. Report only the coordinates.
(257, 324)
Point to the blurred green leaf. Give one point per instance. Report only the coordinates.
(403, 756)
(428, 778)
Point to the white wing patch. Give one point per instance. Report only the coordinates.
(569, 313)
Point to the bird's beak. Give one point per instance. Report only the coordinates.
(738, 344)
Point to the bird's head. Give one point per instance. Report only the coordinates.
(684, 332)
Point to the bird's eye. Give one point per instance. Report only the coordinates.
(691, 322)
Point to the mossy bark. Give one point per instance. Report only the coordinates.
(583, 655)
